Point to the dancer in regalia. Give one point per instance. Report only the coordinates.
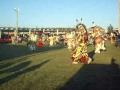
(39, 42)
(98, 37)
(51, 40)
(32, 42)
(70, 36)
(80, 53)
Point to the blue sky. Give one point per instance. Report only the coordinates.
(59, 13)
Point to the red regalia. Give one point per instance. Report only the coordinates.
(39, 44)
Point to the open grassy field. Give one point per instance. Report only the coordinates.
(50, 68)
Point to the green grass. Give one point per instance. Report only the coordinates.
(50, 68)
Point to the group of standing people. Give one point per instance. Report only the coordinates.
(77, 42)
(36, 40)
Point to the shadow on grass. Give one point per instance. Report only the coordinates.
(8, 51)
(16, 68)
(16, 74)
(95, 77)
(10, 63)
